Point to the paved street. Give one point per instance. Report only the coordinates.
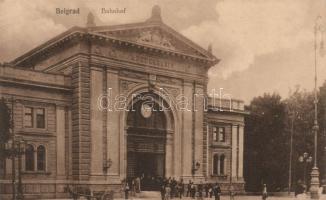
(239, 198)
(224, 198)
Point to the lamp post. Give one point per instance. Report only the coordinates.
(16, 148)
(291, 153)
(305, 159)
(314, 185)
(20, 150)
(195, 167)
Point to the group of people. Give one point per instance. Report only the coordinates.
(171, 188)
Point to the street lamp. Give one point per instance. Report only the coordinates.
(107, 165)
(195, 167)
(305, 160)
(16, 148)
(314, 184)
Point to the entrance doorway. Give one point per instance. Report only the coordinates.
(146, 139)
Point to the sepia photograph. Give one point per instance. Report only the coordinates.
(162, 99)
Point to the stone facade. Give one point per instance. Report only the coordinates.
(86, 145)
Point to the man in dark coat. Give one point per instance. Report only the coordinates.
(206, 190)
(189, 189)
(217, 191)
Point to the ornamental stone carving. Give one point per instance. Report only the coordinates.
(173, 91)
(135, 75)
(155, 37)
(126, 85)
(168, 80)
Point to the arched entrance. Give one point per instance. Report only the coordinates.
(146, 142)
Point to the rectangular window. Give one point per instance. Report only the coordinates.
(28, 117)
(221, 134)
(215, 134)
(40, 118)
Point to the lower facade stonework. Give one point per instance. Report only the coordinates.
(56, 191)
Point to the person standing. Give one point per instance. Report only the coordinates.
(189, 189)
(181, 188)
(167, 192)
(200, 190)
(210, 190)
(217, 191)
(137, 183)
(206, 189)
(127, 190)
(264, 193)
(193, 190)
(232, 192)
(162, 191)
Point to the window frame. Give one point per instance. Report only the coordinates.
(216, 133)
(37, 158)
(29, 114)
(219, 134)
(33, 158)
(215, 166)
(34, 117)
(222, 157)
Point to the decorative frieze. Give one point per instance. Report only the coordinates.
(174, 92)
(126, 85)
(133, 74)
(168, 80)
(156, 38)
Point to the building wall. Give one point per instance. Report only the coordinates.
(232, 148)
(23, 89)
(80, 139)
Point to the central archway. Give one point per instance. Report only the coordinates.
(147, 128)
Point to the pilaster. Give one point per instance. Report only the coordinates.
(240, 159)
(96, 86)
(60, 142)
(234, 159)
(81, 122)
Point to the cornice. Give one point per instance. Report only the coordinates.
(83, 33)
(227, 111)
(25, 83)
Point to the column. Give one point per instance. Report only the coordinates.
(96, 123)
(241, 143)
(187, 133)
(70, 144)
(113, 123)
(234, 160)
(199, 129)
(177, 141)
(61, 151)
(169, 156)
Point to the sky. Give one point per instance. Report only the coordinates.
(265, 46)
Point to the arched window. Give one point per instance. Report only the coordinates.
(222, 160)
(215, 164)
(29, 158)
(41, 158)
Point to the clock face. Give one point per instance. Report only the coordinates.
(146, 110)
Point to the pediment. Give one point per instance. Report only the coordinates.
(159, 36)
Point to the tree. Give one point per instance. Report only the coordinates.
(268, 133)
(265, 143)
(5, 126)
